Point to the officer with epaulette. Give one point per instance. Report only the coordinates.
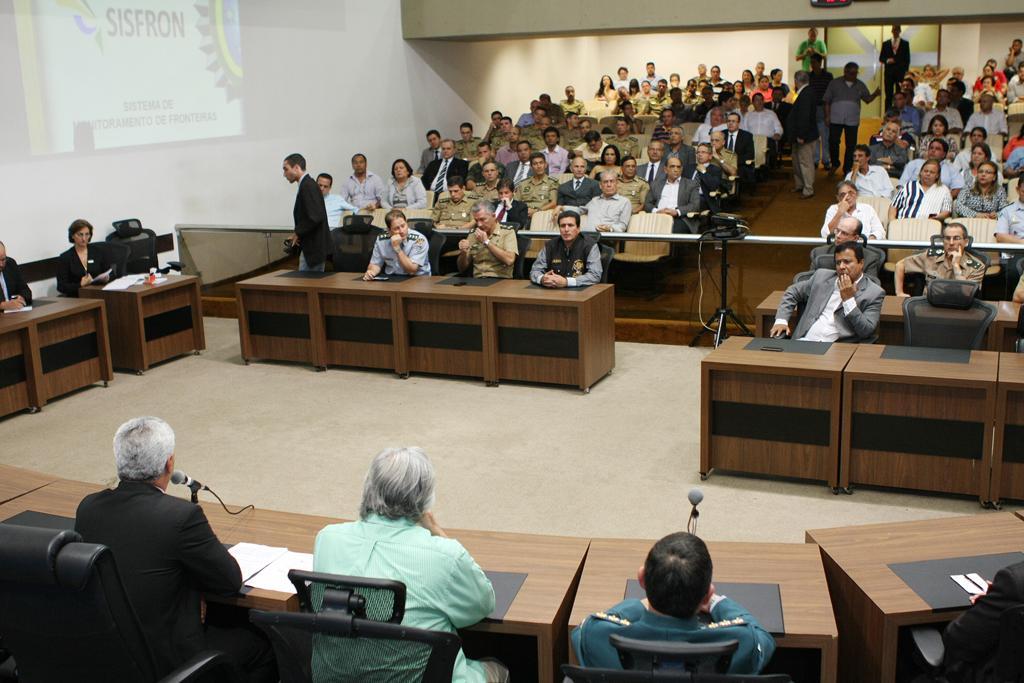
(491, 248)
(490, 175)
(629, 145)
(952, 262)
(631, 186)
(659, 101)
(681, 605)
(401, 251)
(465, 147)
(540, 191)
(571, 133)
(455, 209)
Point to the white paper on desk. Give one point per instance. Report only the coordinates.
(125, 282)
(252, 557)
(18, 310)
(274, 577)
(103, 277)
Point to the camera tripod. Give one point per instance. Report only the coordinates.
(717, 324)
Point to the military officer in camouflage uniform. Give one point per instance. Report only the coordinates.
(455, 209)
(660, 100)
(540, 191)
(629, 145)
(400, 252)
(492, 174)
(571, 134)
(631, 186)
(500, 137)
(952, 263)
(570, 104)
(491, 248)
(680, 603)
(476, 169)
(465, 148)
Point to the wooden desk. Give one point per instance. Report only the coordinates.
(872, 603)
(60, 497)
(59, 346)
(151, 323)
(360, 321)
(279, 319)
(1008, 444)
(15, 481)
(772, 413)
(807, 611)
(918, 425)
(1001, 335)
(564, 336)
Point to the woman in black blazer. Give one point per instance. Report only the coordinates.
(82, 264)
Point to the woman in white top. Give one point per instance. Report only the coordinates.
(404, 190)
(847, 205)
(925, 197)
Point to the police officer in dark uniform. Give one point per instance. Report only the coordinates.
(570, 260)
(680, 599)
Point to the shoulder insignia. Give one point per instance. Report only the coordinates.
(738, 621)
(384, 237)
(613, 618)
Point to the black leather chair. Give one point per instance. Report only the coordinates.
(949, 316)
(519, 266)
(607, 254)
(651, 655)
(424, 226)
(118, 254)
(353, 247)
(141, 242)
(930, 652)
(1019, 345)
(375, 599)
(65, 616)
(579, 674)
(436, 241)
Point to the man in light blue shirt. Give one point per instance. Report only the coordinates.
(334, 203)
(363, 188)
(950, 177)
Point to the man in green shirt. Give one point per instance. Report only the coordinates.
(811, 46)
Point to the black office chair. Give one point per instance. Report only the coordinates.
(949, 316)
(424, 226)
(519, 267)
(651, 655)
(930, 652)
(141, 241)
(353, 247)
(117, 254)
(579, 674)
(358, 221)
(1019, 345)
(607, 254)
(375, 599)
(65, 616)
(436, 241)
(824, 257)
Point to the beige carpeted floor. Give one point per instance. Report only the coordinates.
(617, 462)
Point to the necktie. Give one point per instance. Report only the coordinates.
(439, 183)
(650, 172)
(521, 173)
(437, 155)
(502, 212)
(732, 140)
(576, 185)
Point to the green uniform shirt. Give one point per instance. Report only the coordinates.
(657, 104)
(448, 212)
(484, 192)
(476, 172)
(938, 268)
(445, 589)
(485, 264)
(536, 192)
(499, 140)
(628, 145)
(466, 150)
(574, 108)
(635, 191)
(571, 137)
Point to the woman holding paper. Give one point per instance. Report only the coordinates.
(83, 264)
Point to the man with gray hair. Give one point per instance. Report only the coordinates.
(398, 538)
(491, 248)
(168, 556)
(609, 212)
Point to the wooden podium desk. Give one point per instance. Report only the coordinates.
(59, 346)
(151, 323)
(279, 318)
(872, 603)
(772, 413)
(807, 611)
(15, 481)
(563, 336)
(918, 424)
(360, 321)
(1008, 444)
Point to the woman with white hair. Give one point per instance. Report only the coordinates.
(397, 538)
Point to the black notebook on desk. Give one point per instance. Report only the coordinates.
(788, 346)
(763, 600)
(506, 588)
(470, 281)
(387, 278)
(42, 520)
(930, 579)
(924, 353)
(306, 274)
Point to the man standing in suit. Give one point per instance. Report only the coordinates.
(654, 169)
(577, 192)
(841, 305)
(895, 60)
(310, 214)
(802, 129)
(13, 287)
(440, 171)
(168, 556)
(675, 196)
(432, 151)
(742, 143)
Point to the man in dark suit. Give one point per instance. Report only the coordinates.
(802, 130)
(519, 170)
(972, 640)
(310, 213)
(167, 555)
(13, 288)
(708, 177)
(895, 60)
(742, 143)
(442, 170)
(675, 196)
(655, 168)
(508, 209)
(577, 192)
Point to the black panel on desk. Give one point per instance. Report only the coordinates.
(930, 578)
(506, 587)
(788, 346)
(1013, 443)
(455, 336)
(771, 423)
(42, 520)
(388, 278)
(919, 435)
(470, 281)
(527, 341)
(69, 352)
(349, 328)
(167, 323)
(268, 324)
(763, 600)
(12, 371)
(306, 274)
(922, 353)
(534, 285)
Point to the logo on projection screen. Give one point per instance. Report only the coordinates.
(219, 27)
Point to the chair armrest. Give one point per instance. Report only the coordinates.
(749, 162)
(204, 662)
(928, 645)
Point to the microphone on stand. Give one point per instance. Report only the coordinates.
(179, 477)
(695, 496)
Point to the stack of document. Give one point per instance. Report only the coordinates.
(267, 567)
(125, 282)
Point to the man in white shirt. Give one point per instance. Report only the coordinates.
(870, 181)
(623, 81)
(675, 197)
(716, 121)
(609, 212)
(363, 188)
(1015, 88)
(651, 78)
(988, 118)
(954, 123)
(762, 121)
(847, 205)
(334, 203)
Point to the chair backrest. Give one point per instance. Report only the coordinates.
(564, 178)
(579, 674)
(383, 600)
(335, 646)
(417, 214)
(1011, 190)
(424, 226)
(607, 254)
(650, 655)
(436, 240)
(608, 121)
(910, 229)
(518, 268)
(64, 610)
(983, 230)
(378, 217)
(657, 223)
(881, 206)
(689, 130)
(1015, 110)
(118, 254)
(430, 197)
(142, 249)
(353, 247)
(543, 221)
(760, 150)
(1009, 663)
(948, 317)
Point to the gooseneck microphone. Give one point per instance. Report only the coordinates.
(695, 496)
(179, 477)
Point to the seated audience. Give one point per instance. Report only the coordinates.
(334, 204)
(476, 169)
(762, 121)
(708, 177)
(81, 265)
(14, 291)
(520, 169)
(847, 205)
(870, 181)
(926, 197)
(849, 229)
(1013, 143)
(397, 537)
(938, 129)
(509, 152)
(569, 260)
(910, 117)
(507, 208)
(1015, 88)
(888, 153)
(725, 158)
(777, 84)
(606, 90)
(592, 149)
(954, 263)
(632, 186)
(487, 188)
(904, 138)
(540, 191)
(937, 152)
(988, 89)
(677, 577)
(432, 151)
(964, 105)
(997, 78)
(962, 161)
(980, 153)
(1010, 227)
(400, 252)
(500, 138)
(440, 172)
(992, 120)
(660, 100)
(556, 155)
(840, 305)
(491, 249)
(764, 89)
(655, 166)
(167, 556)
(716, 122)
(663, 130)
(453, 210)
(570, 104)
(608, 211)
(611, 160)
(404, 190)
(579, 190)
(493, 129)
(465, 146)
(741, 143)
(628, 145)
(651, 78)
(954, 123)
(675, 196)
(363, 188)
(984, 197)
